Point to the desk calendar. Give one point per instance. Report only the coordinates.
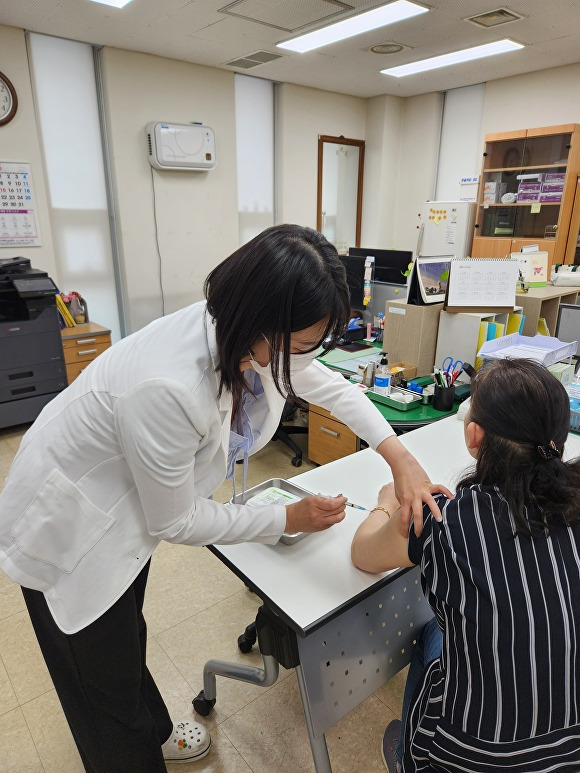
(18, 224)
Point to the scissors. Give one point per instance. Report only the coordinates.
(448, 366)
(451, 369)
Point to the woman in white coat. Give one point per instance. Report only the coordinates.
(131, 453)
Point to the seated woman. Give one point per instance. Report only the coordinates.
(500, 689)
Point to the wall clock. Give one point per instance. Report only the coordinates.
(8, 100)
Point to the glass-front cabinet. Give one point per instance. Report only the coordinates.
(526, 190)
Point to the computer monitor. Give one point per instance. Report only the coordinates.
(390, 265)
(355, 277)
(568, 324)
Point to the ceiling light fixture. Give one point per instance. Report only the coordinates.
(113, 3)
(455, 57)
(355, 25)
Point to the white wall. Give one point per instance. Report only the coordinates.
(197, 212)
(382, 157)
(19, 141)
(302, 114)
(460, 153)
(546, 98)
(419, 152)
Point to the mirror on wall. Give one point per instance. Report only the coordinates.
(340, 182)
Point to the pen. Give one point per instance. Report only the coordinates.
(356, 507)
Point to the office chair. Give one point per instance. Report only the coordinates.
(283, 433)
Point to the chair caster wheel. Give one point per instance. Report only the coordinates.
(244, 645)
(297, 462)
(202, 705)
(247, 640)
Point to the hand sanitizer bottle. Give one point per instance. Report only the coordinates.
(383, 378)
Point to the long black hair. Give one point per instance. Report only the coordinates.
(284, 280)
(525, 414)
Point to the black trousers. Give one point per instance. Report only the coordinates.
(113, 707)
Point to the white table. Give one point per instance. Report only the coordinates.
(353, 631)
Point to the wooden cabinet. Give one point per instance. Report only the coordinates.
(527, 164)
(82, 344)
(573, 246)
(544, 302)
(328, 438)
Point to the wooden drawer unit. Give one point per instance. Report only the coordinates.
(82, 344)
(328, 438)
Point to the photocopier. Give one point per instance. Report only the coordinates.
(32, 367)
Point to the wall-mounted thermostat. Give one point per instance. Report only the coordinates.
(180, 146)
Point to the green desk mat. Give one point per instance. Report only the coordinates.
(423, 414)
(337, 356)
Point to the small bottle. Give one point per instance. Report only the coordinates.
(369, 374)
(383, 377)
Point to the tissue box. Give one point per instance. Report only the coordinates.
(493, 191)
(549, 197)
(553, 187)
(532, 197)
(551, 177)
(529, 188)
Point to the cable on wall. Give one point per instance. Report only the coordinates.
(154, 189)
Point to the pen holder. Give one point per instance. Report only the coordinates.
(443, 398)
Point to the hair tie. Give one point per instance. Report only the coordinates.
(550, 451)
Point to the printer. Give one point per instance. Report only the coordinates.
(32, 367)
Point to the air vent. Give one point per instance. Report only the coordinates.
(494, 18)
(386, 48)
(263, 56)
(253, 60)
(149, 145)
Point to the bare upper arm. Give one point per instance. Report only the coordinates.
(378, 544)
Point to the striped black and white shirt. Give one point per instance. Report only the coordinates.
(505, 694)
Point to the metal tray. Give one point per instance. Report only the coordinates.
(386, 400)
(285, 485)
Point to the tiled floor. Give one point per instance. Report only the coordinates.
(195, 609)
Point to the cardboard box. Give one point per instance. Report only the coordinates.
(410, 334)
(400, 371)
(531, 197)
(554, 198)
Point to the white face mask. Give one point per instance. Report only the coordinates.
(298, 362)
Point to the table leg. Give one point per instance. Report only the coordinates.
(317, 744)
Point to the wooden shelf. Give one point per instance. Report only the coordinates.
(549, 141)
(521, 168)
(524, 204)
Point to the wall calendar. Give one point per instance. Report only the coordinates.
(18, 221)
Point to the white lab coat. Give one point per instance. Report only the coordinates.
(129, 455)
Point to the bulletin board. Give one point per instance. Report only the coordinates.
(18, 218)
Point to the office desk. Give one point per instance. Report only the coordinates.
(339, 440)
(353, 631)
